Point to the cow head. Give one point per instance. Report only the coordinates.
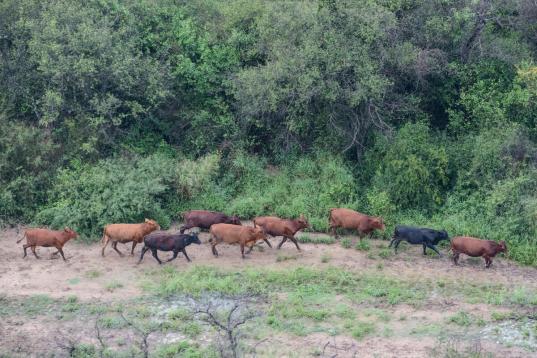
(234, 220)
(444, 235)
(154, 225)
(303, 222)
(502, 247)
(378, 223)
(259, 234)
(194, 239)
(71, 234)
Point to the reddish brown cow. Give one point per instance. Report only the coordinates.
(275, 226)
(47, 238)
(474, 247)
(350, 219)
(126, 233)
(233, 234)
(204, 219)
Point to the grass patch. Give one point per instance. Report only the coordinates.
(184, 349)
(307, 239)
(325, 258)
(112, 286)
(346, 243)
(362, 245)
(361, 329)
(462, 318)
(74, 281)
(284, 257)
(92, 274)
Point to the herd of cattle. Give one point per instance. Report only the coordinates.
(228, 229)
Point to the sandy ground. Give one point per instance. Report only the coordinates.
(112, 278)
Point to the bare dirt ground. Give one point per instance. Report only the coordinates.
(92, 278)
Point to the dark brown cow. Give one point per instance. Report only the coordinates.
(350, 219)
(275, 226)
(233, 234)
(474, 247)
(47, 238)
(204, 219)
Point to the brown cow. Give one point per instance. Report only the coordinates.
(47, 238)
(233, 234)
(275, 226)
(476, 248)
(126, 233)
(350, 219)
(204, 219)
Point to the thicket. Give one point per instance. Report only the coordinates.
(424, 112)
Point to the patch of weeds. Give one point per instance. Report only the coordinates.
(344, 311)
(385, 253)
(37, 304)
(402, 318)
(84, 351)
(71, 305)
(362, 245)
(371, 255)
(430, 329)
(462, 318)
(346, 243)
(380, 266)
(387, 332)
(325, 258)
(181, 314)
(362, 329)
(112, 286)
(500, 316)
(74, 281)
(283, 257)
(184, 349)
(93, 274)
(306, 239)
(191, 329)
(112, 322)
(380, 314)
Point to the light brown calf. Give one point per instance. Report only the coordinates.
(476, 248)
(126, 233)
(234, 234)
(350, 219)
(47, 238)
(275, 226)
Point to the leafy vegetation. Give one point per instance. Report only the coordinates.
(424, 112)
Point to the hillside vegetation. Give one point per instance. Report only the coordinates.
(424, 112)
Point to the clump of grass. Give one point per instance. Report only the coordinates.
(283, 257)
(112, 286)
(184, 349)
(93, 274)
(346, 243)
(362, 329)
(307, 239)
(380, 266)
(500, 316)
(362, 245)
(74, 281)
(461, 318)
(385, 253)
(112, 322)
(325, 258)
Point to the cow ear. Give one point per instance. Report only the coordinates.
(66, 229)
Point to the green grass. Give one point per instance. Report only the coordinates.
(307, 239)
(284, 257)
(462, 318)
(363, 245)
(361, 329)
(112, 286)
(346, 243)
(93, 274)
(325, 258)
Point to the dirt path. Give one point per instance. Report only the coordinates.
(90, 276)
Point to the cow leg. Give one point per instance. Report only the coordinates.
(134, 243)
(268, 243)
(107, 240)
(33, 250)
(295, 241)
(154, 253)
(25, 246)
(392, 241)
(250, 249)
(424, 252)
(396, 245)
(334, 233)
(213, 247)
(281, 242)
(242, 250)
(61, 253)
(114, 246)
(488, 261)
(144, 250)
(431, 246)
(456, 257)
(184, 253)
(173, 257)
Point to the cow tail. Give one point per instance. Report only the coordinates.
(104, 235)
(23, 236)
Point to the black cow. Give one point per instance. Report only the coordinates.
(165, 241)
(418, 236)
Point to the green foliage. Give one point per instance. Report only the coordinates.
(184, 349)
